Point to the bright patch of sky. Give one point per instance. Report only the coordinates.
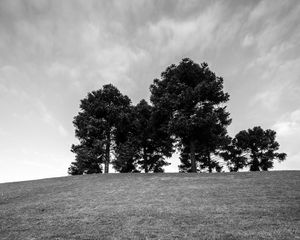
(53, 52)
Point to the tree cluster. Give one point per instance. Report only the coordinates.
(188, 114)
(113, 131)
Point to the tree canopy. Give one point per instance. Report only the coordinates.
(190, 97)
(256, 148)
(86, 161)
(146, 147)
(99, 125)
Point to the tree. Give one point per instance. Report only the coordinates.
(259, 146)
(146, 146)
(98, 125)
(234, 157)
(86, 161)
(189, 97)
(203, 159)
(125, 151)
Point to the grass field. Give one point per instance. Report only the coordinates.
(257, 205)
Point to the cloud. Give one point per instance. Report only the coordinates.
(62, 130)
(171, 35)
(288, 132)
(3, 132)
(289, 125)
(267, 99)
(264, 10)
(12, 81)
(279, 83)
(115, 62)
(275, 24)
(49, 119)
(276, 61)
(248, 40)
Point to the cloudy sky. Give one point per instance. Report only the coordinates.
(53, 52)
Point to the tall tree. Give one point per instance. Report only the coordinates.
(98, 124)
(126, 149)
(153, 144)
(259, 146)
(190, 98)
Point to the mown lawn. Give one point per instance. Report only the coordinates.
(259, 205)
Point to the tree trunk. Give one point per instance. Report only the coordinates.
(107, 154)
(193, 158)
(209, 162)
(255, 163)
(145, 161)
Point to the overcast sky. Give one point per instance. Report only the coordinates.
(53, 52)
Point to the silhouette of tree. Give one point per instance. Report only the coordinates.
(146, 146)
(234, 157)
(87, 161)
(204, 160)
(255, 148)
(189, 98)
(126, 160)
(99, 126)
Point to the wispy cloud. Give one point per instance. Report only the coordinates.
(288, 132)
(248, 40)
(49, 119)
(277, 55)
(289, 125)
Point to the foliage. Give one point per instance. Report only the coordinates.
(146, 146)
(99, 125)
(255, 148)
(126, 157)
(233, 156)
(188, 111)
(190, 97)
(204, 160)
(86, 161)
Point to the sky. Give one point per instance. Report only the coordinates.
(52, 53)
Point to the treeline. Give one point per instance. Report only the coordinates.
(187, 113)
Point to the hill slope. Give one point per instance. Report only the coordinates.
(257, 205)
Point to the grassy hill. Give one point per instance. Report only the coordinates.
(257, 205)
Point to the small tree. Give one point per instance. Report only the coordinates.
(255, 148)
(233, 156)
(98, 125)
(189, 97)
(87, 161)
